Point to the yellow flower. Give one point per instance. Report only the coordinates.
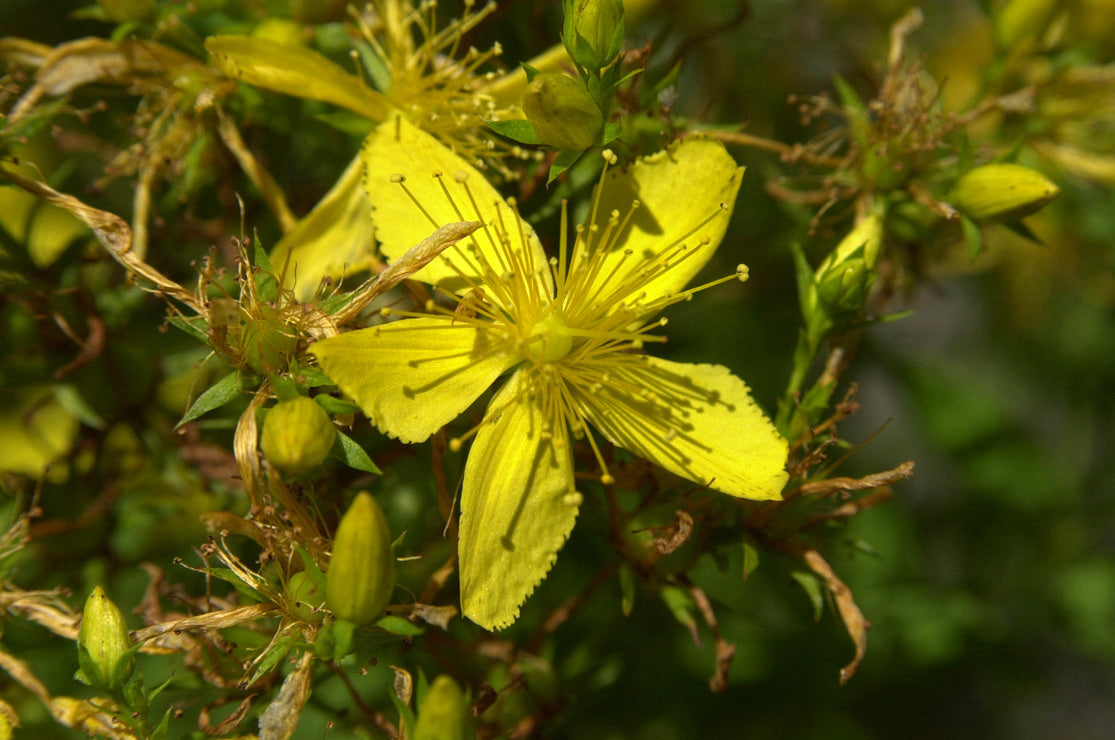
(570, 329)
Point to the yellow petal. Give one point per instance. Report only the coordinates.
(441, 188)
(334, 239)
(698, 421)
(686, 194)
(517, 507)
(413, 376)
(295, 70)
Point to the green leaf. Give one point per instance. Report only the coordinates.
(223, 391)
(334, 640)
(627, 589)
(562, 162)
(519, 130)
(398, 626)
(274, 655)
(611, 132)
(267, 285)
(353, 455)
(337, 405)
(71, 401)
(812, 587)
(750, 558)
(972, 235)
(682, 606)
(196, 327)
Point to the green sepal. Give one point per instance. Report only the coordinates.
(276, 652)
(682, 607)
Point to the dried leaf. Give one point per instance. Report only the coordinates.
(280, 719)
(853, 619)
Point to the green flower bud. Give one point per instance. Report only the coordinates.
(361, 573)
(1003, 192)
(593, 31)
(297, 435)
(104, 652)
(563, 114)
(305, 597)
(445, 713)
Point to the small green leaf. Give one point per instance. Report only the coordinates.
(223, 391)
(351, 454)
(627, 589)
(750, 559)
(562, 162)
(337, 405)
(274, 655)
(612, 130)
(398, 626)
(70, 399)
(519, 130)
(972, 235)
(682, 606)
(334, 640)
(196, 327)
(812, 586)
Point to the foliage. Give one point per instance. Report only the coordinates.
(324, 321)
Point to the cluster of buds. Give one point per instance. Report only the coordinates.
(839, 286)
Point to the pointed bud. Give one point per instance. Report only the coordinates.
(361, 573)
(593, 32)
(1002, 192)
(103, 644)
(445, 713)
(297, 435)
(562, 112)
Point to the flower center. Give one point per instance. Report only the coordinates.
(549, 340)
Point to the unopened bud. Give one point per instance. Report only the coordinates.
(361, 573)
(304, 596)
(297, 435)
(593, 31)
(562, 112)
(104, 652)
(445, 713)
(1003, 192)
